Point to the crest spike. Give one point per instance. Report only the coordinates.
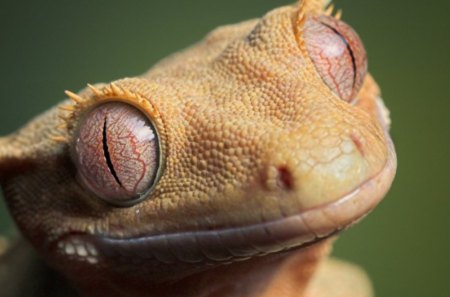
(116, 90)
(329, 10)
(62, 126)
(128, 93)
(313, 6)
(60, 139)
(67, 107)
(107, 90)
(74, 97)
(338, 15)
(63, 117)
(96, 91)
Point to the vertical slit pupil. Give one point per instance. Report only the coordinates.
(106, 152)
(349, 49)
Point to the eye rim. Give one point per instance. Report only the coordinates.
(350, 38)
(158, 150)
(157, 126)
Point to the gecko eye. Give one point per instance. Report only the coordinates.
(338, 54)
(117, 153)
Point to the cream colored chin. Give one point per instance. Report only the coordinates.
(325, 182)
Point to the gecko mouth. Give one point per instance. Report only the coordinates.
(210, 247)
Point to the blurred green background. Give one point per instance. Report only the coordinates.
(404, 245)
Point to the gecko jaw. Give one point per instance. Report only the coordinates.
(199, 249)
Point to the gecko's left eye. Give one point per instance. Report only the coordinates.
(337, 53)
(117, 153)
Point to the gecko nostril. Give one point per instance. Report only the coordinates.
(284, 178)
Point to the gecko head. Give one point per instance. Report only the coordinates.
(266, 137)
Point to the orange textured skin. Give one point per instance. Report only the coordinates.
(250, 133)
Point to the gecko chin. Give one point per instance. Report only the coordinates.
(155, 256)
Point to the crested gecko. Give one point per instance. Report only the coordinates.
(226, 170)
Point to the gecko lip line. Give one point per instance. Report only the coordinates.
(241, 243)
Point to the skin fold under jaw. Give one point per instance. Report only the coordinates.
(225, 170)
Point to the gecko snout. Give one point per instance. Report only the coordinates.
(318, 172)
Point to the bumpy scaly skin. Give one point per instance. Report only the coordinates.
(251, 137)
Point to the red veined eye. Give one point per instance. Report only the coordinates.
(337, 53)
(117, 153)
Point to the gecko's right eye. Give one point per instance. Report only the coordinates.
(337, 53)
(117, 153)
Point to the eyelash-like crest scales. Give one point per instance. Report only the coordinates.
(312, 7)
(113, 92)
